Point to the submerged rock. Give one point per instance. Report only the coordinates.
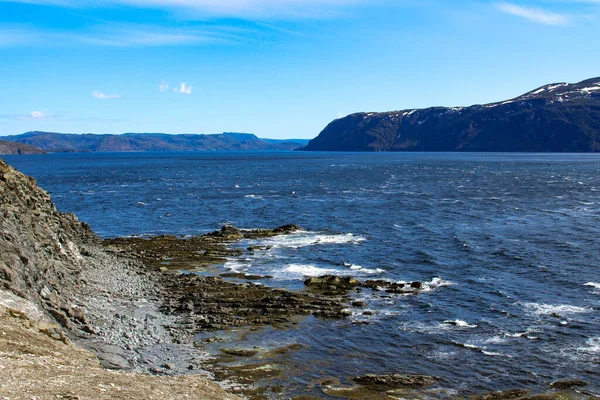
(394, 381)
(240, 352)
(333, 283)
(503, 395)
(568, 384)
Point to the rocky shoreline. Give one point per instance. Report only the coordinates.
(126, 300)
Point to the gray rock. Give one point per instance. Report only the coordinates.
(113, 361)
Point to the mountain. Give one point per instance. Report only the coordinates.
(559, 117)
(229, 141)
(18, 148)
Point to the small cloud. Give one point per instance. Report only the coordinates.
(38, 114)
(183, 88)
(163, 87)
(34, 115)
(534, 14)
(100, 95)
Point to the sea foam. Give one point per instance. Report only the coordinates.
(301, 271)
(303, 239)
(549, 309)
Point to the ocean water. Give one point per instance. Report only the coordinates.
(508, 244)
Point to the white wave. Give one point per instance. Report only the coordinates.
(436, 283)
(459, 323)
(592, 345)
(494, 354)
(303, 239)
(484, 350)
(253, 196)
(362, 269)
(560, 309)
(495, 340)
(301, 271)
(593, 284)
(236, 266)
(527, 334)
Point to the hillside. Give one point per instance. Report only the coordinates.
(18, 148)
(559, 117)
(61, 142)
(58, 285)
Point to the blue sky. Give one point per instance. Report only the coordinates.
(276, 68)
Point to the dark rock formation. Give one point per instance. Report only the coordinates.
(331, 284)
(568, 384)
(40, 248)
(554, 118)
(60, 142)
(503, 395)
(394, 381)
(18, 148)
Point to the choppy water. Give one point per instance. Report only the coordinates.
(509, 245)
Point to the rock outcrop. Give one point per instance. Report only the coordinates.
(42, 251)
(554, 118)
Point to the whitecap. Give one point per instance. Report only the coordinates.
(236, 266)
(303, 239)
(459, 323)
(301, 271)
(592, 345)
(362, 269)
(559, 309)
(435, 283)
(494, 354)
(517, 335)
(593, 284)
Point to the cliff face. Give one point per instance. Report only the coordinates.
(18, 148)
(40, 253)
(554, 118)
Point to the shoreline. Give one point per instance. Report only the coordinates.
(125, 299)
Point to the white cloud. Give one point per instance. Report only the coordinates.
(163, 87)
(32, 116)
(535, 14)
(239, 8)
(183, 88)
(100, 95)
(38, 114)
(122, 35)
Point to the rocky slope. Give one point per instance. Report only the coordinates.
(54, 271)
(60, 142)
(18, 148)
(559, 117)
(34, 365)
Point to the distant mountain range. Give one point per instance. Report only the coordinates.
(229, 141)
(559, 117)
